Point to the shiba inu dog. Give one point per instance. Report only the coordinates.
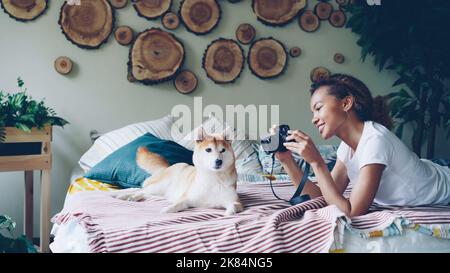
(210, 183)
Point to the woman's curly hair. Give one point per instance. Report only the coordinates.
(365, 106)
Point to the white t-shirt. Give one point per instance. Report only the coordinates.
(406, 180)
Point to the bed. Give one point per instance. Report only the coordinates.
(92, 221)
(267, 225)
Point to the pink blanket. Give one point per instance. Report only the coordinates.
(266, 224)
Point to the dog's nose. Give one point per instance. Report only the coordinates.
(219, 162)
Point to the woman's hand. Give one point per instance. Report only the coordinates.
(303, 146)
(283, 157)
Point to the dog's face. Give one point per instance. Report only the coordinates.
(213, 152)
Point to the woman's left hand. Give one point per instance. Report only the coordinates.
(303, 146)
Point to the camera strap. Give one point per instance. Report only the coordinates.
(296, 198)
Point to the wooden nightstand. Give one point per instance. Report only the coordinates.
(27, 152)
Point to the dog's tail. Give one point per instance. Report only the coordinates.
(150, 162)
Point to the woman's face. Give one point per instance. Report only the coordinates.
(328, 112)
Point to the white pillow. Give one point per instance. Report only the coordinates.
(246, 157)
(110, 142)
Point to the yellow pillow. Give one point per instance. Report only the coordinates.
(85, 184)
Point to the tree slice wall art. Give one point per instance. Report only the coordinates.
(323, 10)
(186, 82)
(319, 73)
(156, 56)
(267, 58)
(245, 33)
(277, 12)
(124, 35)
(63, 65)
(339, 58)
(200, 16)
(295, 51)
(308, 21)
(338, 18)
(24, 10)
(151, 9)
(170, 20)
(223, 60)
(87, 25)
(118, 4)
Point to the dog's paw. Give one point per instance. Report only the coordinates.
(234, 208)
(174, 208)
(137, 197)
(131, 197)
(170, 209)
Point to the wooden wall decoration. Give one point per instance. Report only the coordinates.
(118, 4)
(319, 73)
(24, 10)
(267, 58)
(308, 21)
(339, 58)
(151, 9)
(245, 33)
(223, 60)
(277, 12)
(87, 25)
(295, 52)
(323, 10)
(63, 65)
(338, 18)
(186, 82)
(124, 35)
(200, 16)
(170, 20)
(156, 56)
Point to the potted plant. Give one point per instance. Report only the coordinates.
(412, 39)
(11, 244)
(18, 110)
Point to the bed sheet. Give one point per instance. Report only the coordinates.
(406, 236)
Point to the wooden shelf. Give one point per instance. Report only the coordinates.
(27, 163)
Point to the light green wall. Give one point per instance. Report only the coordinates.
(97, 95)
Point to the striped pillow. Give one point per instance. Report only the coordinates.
(112, 141)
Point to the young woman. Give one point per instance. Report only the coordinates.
(373, 160)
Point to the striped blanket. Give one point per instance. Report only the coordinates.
(266, 224)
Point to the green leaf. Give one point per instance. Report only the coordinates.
(2, 133)
(20, 83)
(7, 223)
(27, 117)
(23, 127)
(399, 81)
(399, 130)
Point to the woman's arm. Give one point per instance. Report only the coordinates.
(339, 175)
(296, 174)
(362, 195)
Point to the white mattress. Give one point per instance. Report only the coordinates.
(72, 238)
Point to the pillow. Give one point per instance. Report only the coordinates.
(246, 157)
(328, 153)
(110, 142)
(120, 167)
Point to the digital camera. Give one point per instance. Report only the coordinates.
(274, 142)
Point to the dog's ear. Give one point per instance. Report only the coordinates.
(228, 134)
(200, 134)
